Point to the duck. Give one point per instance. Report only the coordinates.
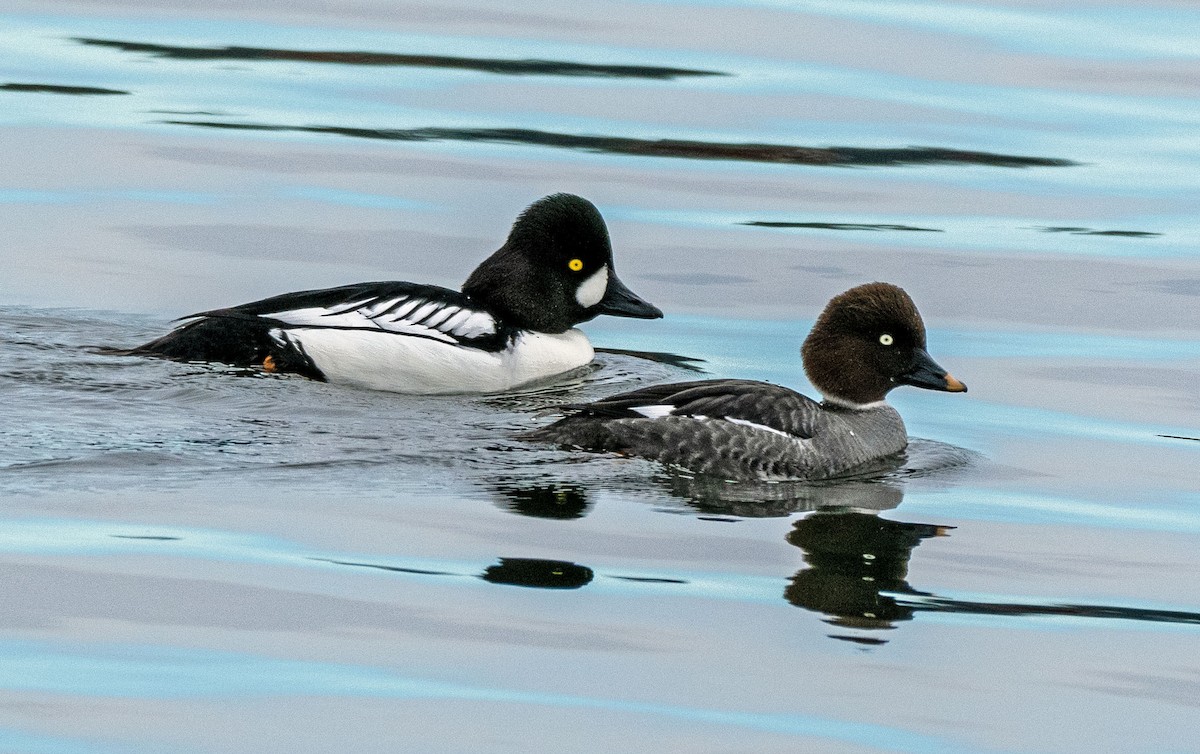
(511, 325)
(867, 341)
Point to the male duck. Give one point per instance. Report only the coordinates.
(512, 324)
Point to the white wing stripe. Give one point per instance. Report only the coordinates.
(462, 315)
(321, 317)
(375, 310)
(333, 310)
(654, 412)
(479, 323)
(423, 312)
(408, 316)
(437, 318)
(400, 313)
(756, 426)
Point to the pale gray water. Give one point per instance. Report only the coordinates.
(198, 560)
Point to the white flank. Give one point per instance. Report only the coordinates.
(756, 425)
(590, 291)
(383, 361)
(654, 412)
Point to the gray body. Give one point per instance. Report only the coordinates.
(736, 429)
(867, 341)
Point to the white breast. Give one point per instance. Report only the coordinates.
(406, 364)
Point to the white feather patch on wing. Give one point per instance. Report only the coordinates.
(476, 324)
(457, 320)
(756, 425)
(424, 311)
(590, 291)
(346, 306)
(654, 412)
(342, 315)
(443, 321)
(438, 317)
(376, 308)
(403, 310)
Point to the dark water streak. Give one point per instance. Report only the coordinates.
(58, 89)
(1078, 231)
(936, 604)
(681, 148)
(840, 226)
(529, 67)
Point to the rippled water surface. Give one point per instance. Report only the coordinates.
(194, 558)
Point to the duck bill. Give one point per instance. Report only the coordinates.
(926, 373)
(619, 301)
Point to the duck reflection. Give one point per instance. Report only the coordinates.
(856, 562)
(779, 499)
(541, 574)
(544, 499)
(530, 572)
(548, 497)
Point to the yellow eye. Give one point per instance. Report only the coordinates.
(885, 339)
(575, 264)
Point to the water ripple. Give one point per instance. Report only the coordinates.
(840, 226)
(58, 89)
(1079, 231)
(486, 65)
(678, 148)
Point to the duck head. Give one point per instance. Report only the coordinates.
(555, 270)
(867, 341)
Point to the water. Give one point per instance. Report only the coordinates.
(196, 559)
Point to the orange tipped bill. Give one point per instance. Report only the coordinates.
(953, 385)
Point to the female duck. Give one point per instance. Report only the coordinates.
(867, 341)
(513, 323)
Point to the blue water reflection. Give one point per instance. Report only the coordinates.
(152, 672)
(274, 564)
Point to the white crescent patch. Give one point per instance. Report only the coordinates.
(590, 291)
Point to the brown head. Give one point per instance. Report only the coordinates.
(867, 341)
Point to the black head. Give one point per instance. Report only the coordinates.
(867, 341)
(555, 270)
